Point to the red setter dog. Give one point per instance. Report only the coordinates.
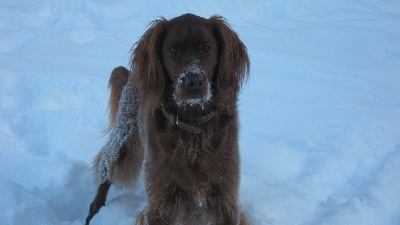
(174, 113)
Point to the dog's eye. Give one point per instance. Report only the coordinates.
(173, 50)
(205, 48)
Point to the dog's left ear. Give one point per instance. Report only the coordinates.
(234, 63)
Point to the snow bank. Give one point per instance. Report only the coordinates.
(319, 139)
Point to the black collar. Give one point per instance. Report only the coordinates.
(188, 125)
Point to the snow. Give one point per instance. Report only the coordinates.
(320, 115)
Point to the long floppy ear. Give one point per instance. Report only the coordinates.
(146, 67)
(234, 63)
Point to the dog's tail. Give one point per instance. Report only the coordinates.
(119, 78)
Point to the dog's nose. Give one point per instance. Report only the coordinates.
(194, 81)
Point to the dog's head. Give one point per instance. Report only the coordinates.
(190, 56)
(189, 60)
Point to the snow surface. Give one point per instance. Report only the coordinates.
(320, 115)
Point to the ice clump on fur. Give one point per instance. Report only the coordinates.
(124, 127)
(194, 68)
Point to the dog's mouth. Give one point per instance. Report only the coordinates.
(199, 99)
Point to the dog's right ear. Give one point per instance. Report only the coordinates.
(146, 67)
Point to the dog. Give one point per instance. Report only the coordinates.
(174, 119)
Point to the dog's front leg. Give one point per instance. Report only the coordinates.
(145, 218)
(167, 204)
(156, 214)
(222, 203)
